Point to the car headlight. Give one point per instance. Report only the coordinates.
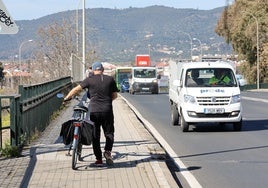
(155, 81)
(189, 99)
(235, 99)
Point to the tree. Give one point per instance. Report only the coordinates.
(2, 76)
(237, 25)
(1, 71)
(56, 46)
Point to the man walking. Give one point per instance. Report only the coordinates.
(102, 91)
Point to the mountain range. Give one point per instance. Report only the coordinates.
(117, 35)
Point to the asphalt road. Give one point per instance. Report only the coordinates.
(215, 156)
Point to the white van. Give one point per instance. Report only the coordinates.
(198, 94)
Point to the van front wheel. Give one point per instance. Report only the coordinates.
(237, 125)
(184, 124)
(174, 115)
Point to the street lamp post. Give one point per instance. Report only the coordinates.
(77, 29)
(84, 39)
(75, 73)
(20, 55)
(191, 43)
(201, 47)
(258, 58)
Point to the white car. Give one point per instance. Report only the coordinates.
(241, 80)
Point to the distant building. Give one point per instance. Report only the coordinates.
(211, 58)
(162, 68)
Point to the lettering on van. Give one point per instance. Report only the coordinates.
(212, 90)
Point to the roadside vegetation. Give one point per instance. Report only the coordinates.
(244, 25)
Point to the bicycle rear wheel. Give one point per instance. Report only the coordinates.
(74, 158)
(76, 155)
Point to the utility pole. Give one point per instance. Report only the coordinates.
(84, 40)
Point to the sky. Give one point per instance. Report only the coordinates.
(33, 9)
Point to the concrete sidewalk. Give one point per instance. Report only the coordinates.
(139, 161)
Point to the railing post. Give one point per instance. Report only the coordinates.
(15, 123)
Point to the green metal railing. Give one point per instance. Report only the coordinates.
(31, 110)
(8, 106)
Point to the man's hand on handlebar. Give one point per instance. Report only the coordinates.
(67, 99)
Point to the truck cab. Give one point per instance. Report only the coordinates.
(143, 76)
(143, 79)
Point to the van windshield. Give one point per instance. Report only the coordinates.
(210, 77)
(144, 73)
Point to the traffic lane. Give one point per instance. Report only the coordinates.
(255, 114)
(223, 158)
(156, 109)
(211, 154)
(242, 164)
(145, 102)
(226, 158)
(255, 94)
(239, 158)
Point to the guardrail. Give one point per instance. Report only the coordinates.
(254, 86)
(30, 111)
(8, 106)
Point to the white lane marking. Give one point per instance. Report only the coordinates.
(255, 99)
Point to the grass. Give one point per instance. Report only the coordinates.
(5, 120)
(10, 151)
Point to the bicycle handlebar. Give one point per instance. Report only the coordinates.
(61, 96)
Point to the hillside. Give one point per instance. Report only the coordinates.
(117, 35)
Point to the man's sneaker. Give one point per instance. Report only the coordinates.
(80, 158)
(108, 157)
(99, 163)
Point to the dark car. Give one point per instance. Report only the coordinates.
(124, 86)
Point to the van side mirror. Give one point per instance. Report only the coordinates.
(158, 76)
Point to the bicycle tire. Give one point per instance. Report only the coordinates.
(76, 153)
(79, 151)
(74, 158)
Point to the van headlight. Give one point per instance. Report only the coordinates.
(189, 99)
(235, 99)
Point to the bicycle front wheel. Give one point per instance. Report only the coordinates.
(74, 156)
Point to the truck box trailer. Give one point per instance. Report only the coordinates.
(143, 60)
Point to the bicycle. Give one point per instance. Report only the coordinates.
(80, 130)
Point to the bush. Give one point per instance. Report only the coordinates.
(10, 151)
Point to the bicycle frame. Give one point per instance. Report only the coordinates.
(77, 126)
